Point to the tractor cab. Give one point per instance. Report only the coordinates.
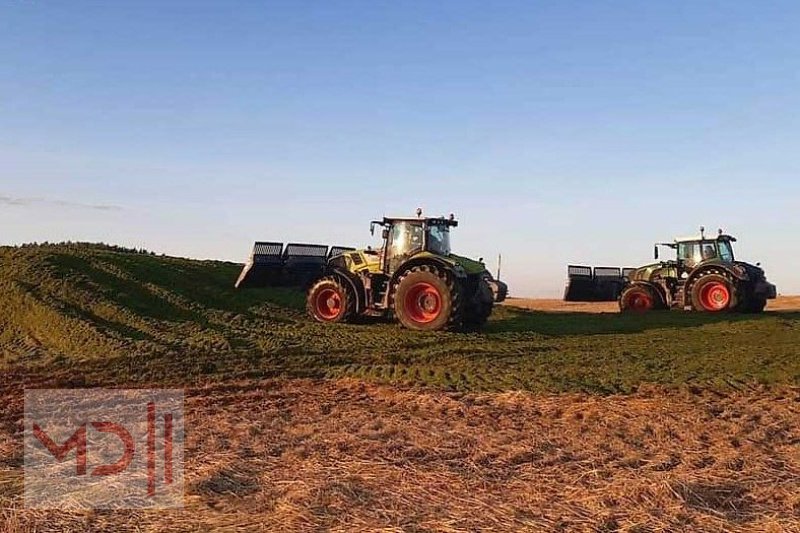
(405, 238)
(692, 252)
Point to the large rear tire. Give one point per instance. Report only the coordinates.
(427, 299)
(714, 292)
(330, 300)
(639, 299)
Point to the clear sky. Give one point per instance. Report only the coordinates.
(557, 132)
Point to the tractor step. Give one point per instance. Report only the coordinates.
(295, 265)
(595, 284)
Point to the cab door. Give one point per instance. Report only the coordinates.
(405, 239)
(690, 254)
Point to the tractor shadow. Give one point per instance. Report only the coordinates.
(561, 324)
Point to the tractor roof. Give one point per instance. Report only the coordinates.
(696, 238)
(429, 220)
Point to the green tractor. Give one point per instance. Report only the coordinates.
(413, 277)
(704, 277)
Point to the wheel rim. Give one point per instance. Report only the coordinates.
(641, 302)
(328, 303)
(423, 303)
(715, 296)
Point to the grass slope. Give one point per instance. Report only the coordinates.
(90, 314)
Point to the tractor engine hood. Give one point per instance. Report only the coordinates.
(470, 266)
(477, 268)
(644, 273)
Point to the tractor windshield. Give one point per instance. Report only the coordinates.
(439, 239)
(725, 251)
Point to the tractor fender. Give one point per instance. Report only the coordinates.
(351, 280)
(655, 287)
(736, 272)
(455, 270)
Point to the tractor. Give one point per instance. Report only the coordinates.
(413, 277)
(704, 277)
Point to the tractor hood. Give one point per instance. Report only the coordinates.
(477, 268)
(645, 273)
(470, 266)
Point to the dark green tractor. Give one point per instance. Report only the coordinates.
(704, 276)
(413, 277)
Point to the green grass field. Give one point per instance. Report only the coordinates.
(91, 315)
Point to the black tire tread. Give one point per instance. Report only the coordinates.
(455, 320)
(658, 302)
(737, 302)
(477, 313)
(754, 305)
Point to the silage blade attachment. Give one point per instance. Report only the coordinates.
(599, 284)
(339, 250)
(296, 265)
(265, 267)
(303, 263)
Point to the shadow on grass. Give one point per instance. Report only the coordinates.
(514, 320)
(207, 283)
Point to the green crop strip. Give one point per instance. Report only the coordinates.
(94, 314)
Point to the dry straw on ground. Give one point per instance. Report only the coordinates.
(299, 455)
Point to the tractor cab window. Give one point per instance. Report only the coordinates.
(439, 239)
(690, 253)
(709, 251)
(405, 239)
(693, 253)
(725, 251)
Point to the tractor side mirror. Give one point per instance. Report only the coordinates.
(372, 229)
(655, 252)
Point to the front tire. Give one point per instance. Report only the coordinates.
(755, 305)
(480, 307)
(427, 299)
(329, 300)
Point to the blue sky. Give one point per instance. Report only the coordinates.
(556, 131)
